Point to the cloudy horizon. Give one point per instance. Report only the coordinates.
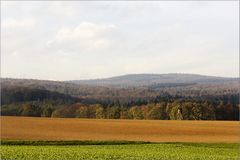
(86, 40)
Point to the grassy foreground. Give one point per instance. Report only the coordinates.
(118, 150)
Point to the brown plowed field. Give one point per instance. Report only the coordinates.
(31, 128)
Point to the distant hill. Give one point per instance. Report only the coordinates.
(135, 96)
(129, 88)
(17, 94)
(135, 80)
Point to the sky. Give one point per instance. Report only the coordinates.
(63, 40)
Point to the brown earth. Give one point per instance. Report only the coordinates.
(31, 128)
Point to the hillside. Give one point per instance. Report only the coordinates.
(17, 94)
(167, 96)
(133, 87)
(133, 80)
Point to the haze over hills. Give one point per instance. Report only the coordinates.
(157, 96)
(152, 81)
(134, 80)
(132, 86)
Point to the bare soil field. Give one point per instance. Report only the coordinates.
(32, 128)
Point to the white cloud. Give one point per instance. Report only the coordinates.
(62, 9)
(78, 39)
(86, 37)
(18, 23)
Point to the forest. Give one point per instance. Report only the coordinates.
(177, 110)
(170, 102)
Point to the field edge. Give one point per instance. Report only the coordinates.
(88, 142)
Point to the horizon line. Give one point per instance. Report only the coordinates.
(120, 75)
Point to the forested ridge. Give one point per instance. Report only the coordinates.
(193, 100)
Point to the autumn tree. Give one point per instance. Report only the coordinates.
(135, 113)
(176, 112)
(99, 112)
(157, 112)
(31, 110)
(82, 112)
(113, 112)
(47, 111)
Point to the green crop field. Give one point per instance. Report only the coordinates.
(160, 151)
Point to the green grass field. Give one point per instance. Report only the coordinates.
(119, 150)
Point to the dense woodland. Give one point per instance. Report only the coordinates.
(166, 101)
(177, 110)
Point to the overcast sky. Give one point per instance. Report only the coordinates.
(84, 40)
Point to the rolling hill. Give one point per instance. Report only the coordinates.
(133, 86)
(138, 96)
(136, 80)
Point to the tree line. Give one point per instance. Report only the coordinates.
(176, 110)
(118, 104)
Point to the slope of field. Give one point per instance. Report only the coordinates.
(178, 151)
(30, 128)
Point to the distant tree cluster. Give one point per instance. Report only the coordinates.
(177, 101)
(176, 110)
(24, 94)
(161, 111)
